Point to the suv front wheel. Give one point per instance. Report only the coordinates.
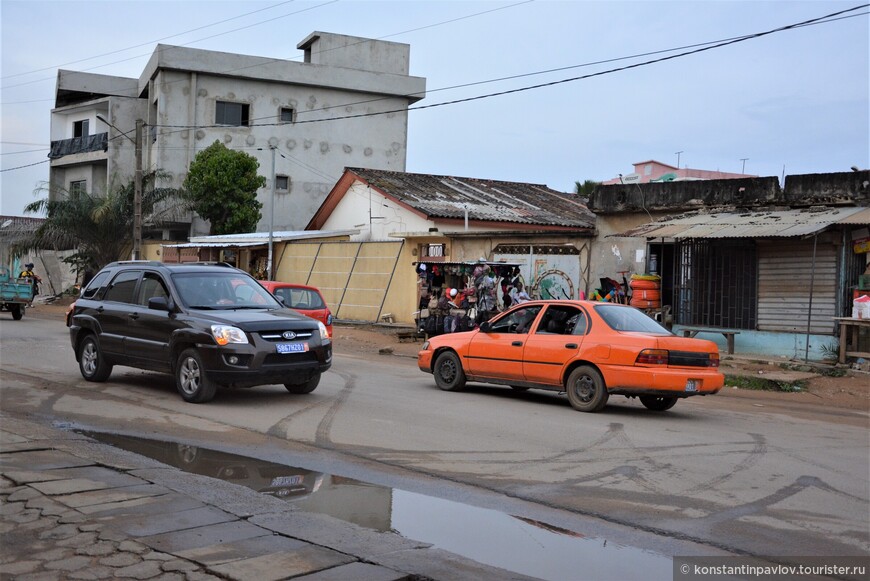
(306, 386)
(191, 380)
(92, 362)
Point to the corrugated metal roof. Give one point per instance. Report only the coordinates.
(278, 235)
(486, 200)
(258, 238)
(758, 224)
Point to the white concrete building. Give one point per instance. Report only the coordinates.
(345, 105)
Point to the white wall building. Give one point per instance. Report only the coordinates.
(345, 105)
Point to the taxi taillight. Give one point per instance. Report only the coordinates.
(652, 357)
(714, 360)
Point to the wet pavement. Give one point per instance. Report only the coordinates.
(75, 508)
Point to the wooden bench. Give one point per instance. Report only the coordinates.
(728, 333)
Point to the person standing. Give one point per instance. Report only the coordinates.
(485, 295)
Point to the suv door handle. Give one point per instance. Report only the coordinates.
(133, 316)
(517, 344)
(570, 345)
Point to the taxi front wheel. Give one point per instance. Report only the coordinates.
(448, 372)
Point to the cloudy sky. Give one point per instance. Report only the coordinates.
(796, 101)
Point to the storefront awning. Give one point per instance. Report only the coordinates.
(750, 224)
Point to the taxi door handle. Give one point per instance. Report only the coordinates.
(517, 344)
(570, 345)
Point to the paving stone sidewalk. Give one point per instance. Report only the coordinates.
(73, 508)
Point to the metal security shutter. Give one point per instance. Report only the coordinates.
(785, 270)
(354, 277)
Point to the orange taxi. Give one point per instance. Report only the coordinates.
(589, 350)
(305, 299)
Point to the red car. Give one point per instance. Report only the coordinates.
(303, 298)
(588, 350)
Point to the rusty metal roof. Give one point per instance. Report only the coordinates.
(755, 224)
(486, 200)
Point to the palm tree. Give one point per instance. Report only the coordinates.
(585, 189)
(99, 227)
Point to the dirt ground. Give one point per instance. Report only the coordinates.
(850, 390)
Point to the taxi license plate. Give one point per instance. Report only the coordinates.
(292, 347)
(693, 384)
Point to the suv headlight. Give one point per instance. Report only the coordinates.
(224, 334)
(324, 334)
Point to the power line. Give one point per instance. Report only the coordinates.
(185, 44)
(146, 43)
(551, 83)
(709, 44)
(704, 48)
(251, 26)
(23, 166)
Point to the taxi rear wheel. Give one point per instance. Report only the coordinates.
(586, 389)
(657, 403)
(448, 372)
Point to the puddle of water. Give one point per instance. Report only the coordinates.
(487, 536)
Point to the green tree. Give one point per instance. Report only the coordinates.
(585, 189)
(98, 227)
(221, 186)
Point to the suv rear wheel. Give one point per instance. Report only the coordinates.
(190, 378)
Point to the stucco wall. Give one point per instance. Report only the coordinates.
(614, 254)
(312, 155)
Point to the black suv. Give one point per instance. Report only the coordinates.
(210, 325)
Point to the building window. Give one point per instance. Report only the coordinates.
(434, 250)
(80, 128)
(227, 113)
(78, 187)
(287, 115)
(282, 183)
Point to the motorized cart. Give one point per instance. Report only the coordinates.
(15, 294)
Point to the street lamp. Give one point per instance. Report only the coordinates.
(137, 185)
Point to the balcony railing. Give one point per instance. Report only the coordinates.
(98, 142)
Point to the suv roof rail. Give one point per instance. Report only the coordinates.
(207, 263)
(142, 262)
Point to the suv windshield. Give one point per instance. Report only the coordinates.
(219, 290)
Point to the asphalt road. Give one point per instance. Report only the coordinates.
(716, 475)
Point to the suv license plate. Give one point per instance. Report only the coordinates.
(693, 384)
(292, 347)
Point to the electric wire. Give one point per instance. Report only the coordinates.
(146, 43)
(550, 83)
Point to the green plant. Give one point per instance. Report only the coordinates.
(830, 352)
(764, 384)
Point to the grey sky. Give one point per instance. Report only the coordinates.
(796, 101)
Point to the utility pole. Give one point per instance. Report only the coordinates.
(137, 184)
(137, 195)
(678, 158)
(271, 218)
(743, 159)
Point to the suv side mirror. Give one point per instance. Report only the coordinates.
(159, 304)
(485, 327)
